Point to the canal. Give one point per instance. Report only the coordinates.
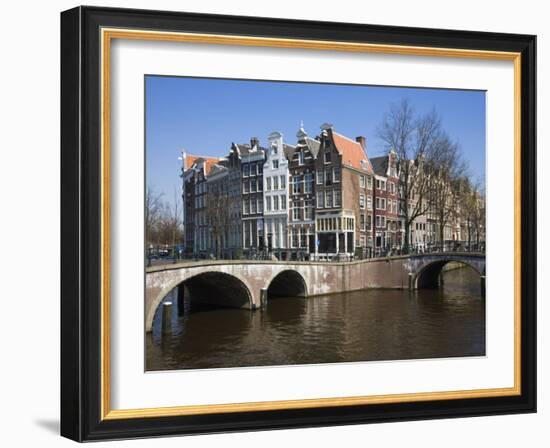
(368, 325)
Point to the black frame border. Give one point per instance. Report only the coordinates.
(81, 223)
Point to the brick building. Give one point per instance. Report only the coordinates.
(301, 218)
(252, 195)
(387, 233)
(195, 172)
(341, 172)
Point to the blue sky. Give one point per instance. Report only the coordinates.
(205, 115)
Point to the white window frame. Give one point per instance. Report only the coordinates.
(320, 177)
(328, 194)
(321, 202)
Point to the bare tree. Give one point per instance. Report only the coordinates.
(218, 215)
(412, 138)
(153, 213)
(472, 208)
(479, 216)
(445, 173)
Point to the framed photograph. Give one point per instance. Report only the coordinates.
(274, 223)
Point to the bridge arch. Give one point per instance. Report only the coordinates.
(287, 283)
(211, 287)
(428, 275)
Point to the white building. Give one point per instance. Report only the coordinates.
(276, 194)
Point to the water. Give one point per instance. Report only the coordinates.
(363, 325)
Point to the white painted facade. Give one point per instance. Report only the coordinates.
(276, 193)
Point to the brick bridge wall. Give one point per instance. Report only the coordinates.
(320, 277)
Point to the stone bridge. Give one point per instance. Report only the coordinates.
(248, 283)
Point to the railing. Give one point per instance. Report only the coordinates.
(163, 254)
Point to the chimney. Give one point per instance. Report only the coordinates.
(254, 141)
(362, 141)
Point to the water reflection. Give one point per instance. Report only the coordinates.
(355, 326)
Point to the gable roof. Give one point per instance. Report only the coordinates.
(209, 162)
(313, 145)
(288, 151)
(352, 153)
(380, 165)
(245, 149)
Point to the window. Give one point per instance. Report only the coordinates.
(246, 170)
(362, 181)
(260, 183)
(328, 177)
(253, 186)
(337, 198)
(275, 164)
(369, 203)
(296, 210)
(283, 182)
(296, 184)
(369, 183)
(268, 203)
(336, 174)
(275, 203)
(260, 206)
(301, 158)
(260, 168)
(246, 186)
(380, 204)
(328, 156)
(293, 238)
(276, 183)
(246, 208)
(283, 202)
(308, 181)
(252, 206)
(361, 201)
(380, 184)
(328, 198)
(320, 179)
(320, 199)
(308, 211)
(369, 222)
(303, 238)
(268, 184)
(362, 221)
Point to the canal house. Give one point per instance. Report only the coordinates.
(275, 183)
(252, 178)
(194, 195)
(301, 217)
(388, 228)
(342, 170)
